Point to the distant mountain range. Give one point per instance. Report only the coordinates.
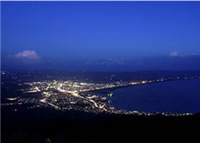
(169, 63)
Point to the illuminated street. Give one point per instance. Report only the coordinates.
(77, 95)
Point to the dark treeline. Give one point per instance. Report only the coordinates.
(38, 125)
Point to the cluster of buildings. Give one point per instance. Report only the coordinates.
(74, 95)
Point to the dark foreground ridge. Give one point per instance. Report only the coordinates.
(40, 126)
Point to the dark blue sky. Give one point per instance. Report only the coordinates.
(63, 31)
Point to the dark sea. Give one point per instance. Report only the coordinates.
(172, 96)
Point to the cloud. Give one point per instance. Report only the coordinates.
(174, 54)
(27, 54)
(178, 54)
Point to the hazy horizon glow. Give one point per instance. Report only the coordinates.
(63, 31)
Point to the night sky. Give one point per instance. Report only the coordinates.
(65, 32)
